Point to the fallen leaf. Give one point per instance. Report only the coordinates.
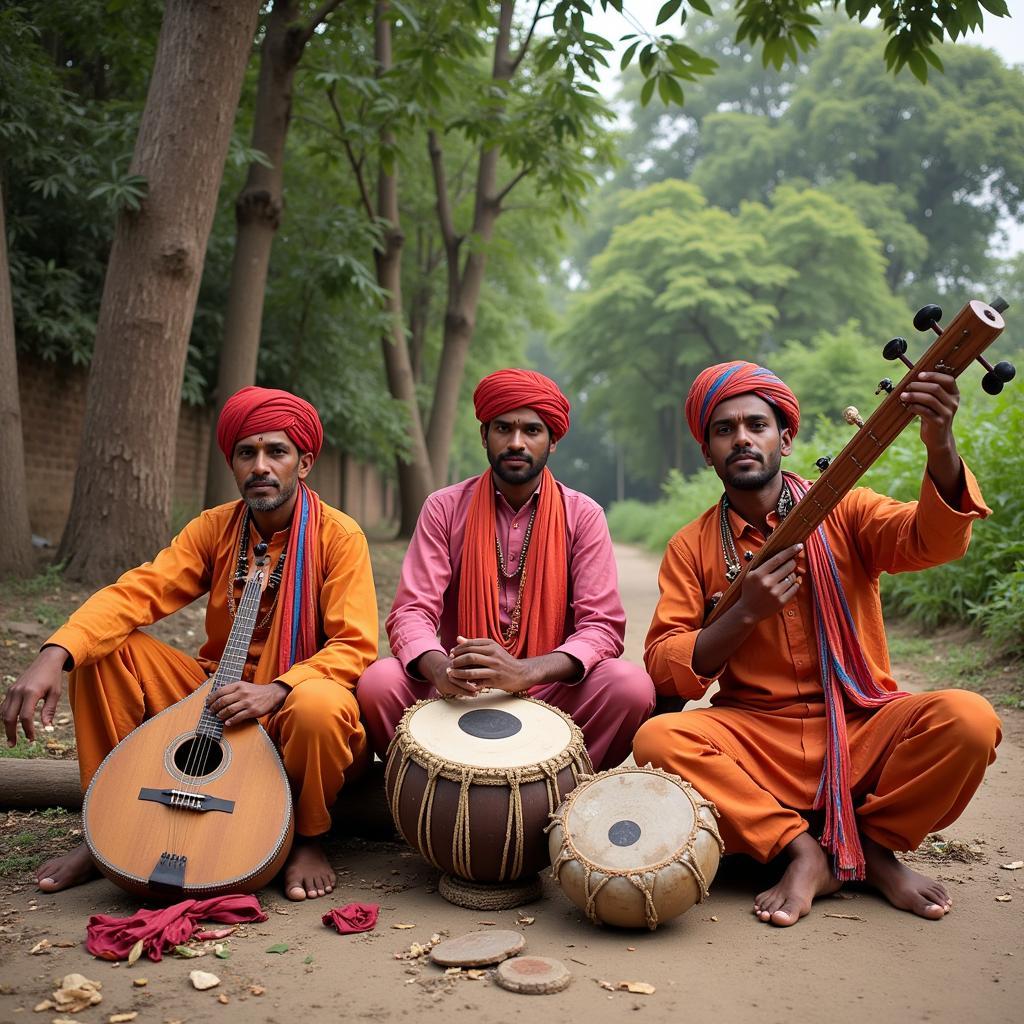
(122, 1018)
(76, 992)
(474, 974)
(140, 982)
(1014, 865)
(403, 926)
(221, 952)
(214, 933)
(188, 953)
(1005, 898)
(223, 999)
(202, 980)
(135, 952)
(278, 947)
(42, 946)
(608, 985)
(845, 917)
(309, 959)
(46, 1004)
(714, 917)
(640, 988)
(453, 970)
(256, 990)
(525, 920)
(631, 949)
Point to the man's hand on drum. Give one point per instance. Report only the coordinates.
(484, 663)
(436, 668)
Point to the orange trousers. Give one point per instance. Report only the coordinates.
(914, 765)
(317, 729)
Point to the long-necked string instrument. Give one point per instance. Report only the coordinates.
(179, 808)
(972, 330)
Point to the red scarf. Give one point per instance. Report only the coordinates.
(545, 581)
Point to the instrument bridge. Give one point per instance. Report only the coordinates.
(200, 802)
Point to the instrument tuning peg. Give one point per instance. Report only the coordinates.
(885, 385)
(998, 375)
(896, 349)
(852, 416)
(999, 304)
(822, 463)
(927, 318)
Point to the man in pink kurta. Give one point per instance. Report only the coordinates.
(522, 415)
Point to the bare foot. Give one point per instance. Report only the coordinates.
(807, 877)
(902, 887)
(308, 873)
(65, 871)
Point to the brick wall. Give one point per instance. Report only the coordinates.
(52, 412)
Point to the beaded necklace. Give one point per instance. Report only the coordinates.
(732, 558)
(511, 631)
(242, 572)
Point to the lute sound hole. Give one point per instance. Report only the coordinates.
(198, 757)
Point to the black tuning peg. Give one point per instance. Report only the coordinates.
(896, 348)
(885, 385)
(260, 550)
(927, 318)
(822, 463)
(998, 375)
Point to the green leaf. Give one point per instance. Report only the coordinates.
(222, 953)
(278, 947)
(918, 67)
(667, 11)
(647, 91)
(186, 952)
(309, 959)
(703, 6)
(628, 56)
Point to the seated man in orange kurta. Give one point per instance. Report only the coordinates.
(301, 669)
(808, 716)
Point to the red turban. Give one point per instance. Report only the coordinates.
(255, 410)
(517, 389)
(727, 380)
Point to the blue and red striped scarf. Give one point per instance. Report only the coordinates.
(845, 675)
(300, 583)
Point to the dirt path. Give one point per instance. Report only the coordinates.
(851, 960)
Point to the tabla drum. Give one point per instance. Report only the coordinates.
(635, 846)
(472, 782)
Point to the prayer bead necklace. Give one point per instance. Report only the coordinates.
(242, 572)
(732, 558)
(511, 631)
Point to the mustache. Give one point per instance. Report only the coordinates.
(262, 481)
(747, 453)
(517, 456)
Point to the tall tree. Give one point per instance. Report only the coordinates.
(16, 549)
(123, 485)
(258, 209)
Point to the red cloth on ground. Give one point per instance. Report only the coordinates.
(506, 390)
(727, 380)
(112, 938)
(253, 410)
(353, 917)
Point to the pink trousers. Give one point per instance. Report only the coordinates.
(609, 705)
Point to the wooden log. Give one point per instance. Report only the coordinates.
(39, 782)
(28, 783)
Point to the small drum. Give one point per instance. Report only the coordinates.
(472, 782)
(635, 846)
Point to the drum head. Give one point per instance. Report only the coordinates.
(490, 730)
(630, 820)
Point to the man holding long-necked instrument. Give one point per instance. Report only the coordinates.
(808, 715)
(315, 633)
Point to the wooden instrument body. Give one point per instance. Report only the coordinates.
(973, 329)
(236, 851)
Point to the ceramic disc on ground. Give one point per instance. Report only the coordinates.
(477, 949)
(535, 975)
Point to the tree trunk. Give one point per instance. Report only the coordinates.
(121, 505)
(466, 283)
(258, 211)
(415, 479)
(16, 548)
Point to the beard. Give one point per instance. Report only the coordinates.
(532, 469)
(756, 479)
(272, 501)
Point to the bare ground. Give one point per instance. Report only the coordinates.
(853, 958)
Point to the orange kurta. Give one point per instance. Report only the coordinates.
(758, 753)
(121, 676)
